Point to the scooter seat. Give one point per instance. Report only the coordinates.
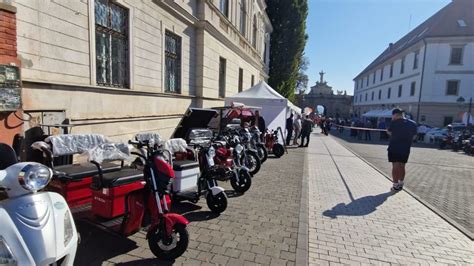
(73, 172)
(118, 178)
(184, 165)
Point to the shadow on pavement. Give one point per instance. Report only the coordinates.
(358, 207)
(375, 140)
(93, 239)
(156, 262)
(233, 194)
(190, 212)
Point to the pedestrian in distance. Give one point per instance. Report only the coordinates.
(422, 129)
(402, 132)
(306, 129)
(289, 129)
(297, 129)
(368, 126)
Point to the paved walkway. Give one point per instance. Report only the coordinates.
(355, 219)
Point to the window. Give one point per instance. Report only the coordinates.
(452, 87)
(243, 16)
(373, 78)
(360, 98)
(361, 83)
(367, 84)
(373, 95)
(224, 7)
(448, 120)
(355, 99)
(402, 66)
(380, 94)
(366, 96)
(254, 32)
(381, 74)
(389, 92)
(111, 44)
(415, 60)
(413, 88)
(400, 88)
(172, 62)
(456, 56)
(222, 70)
(241, 79)
(391, 70)
(252, 81)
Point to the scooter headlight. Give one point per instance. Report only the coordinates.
(68, 230)
(34, 177)
(239, 148)
(211, 152)
(6, 255)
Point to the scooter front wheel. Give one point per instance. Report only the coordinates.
(278, 150)
(262, 152)
(217, 203)
(172, 248)
(244, 182)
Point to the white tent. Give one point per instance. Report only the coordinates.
(275, 108)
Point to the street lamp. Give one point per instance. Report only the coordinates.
(461, 102)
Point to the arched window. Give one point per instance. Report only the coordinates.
(254, 32)
(243, 16)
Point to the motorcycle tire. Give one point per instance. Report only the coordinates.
(217, 203)
(244, 183)
(159, 249)
(253, 163)
(262, 152)
(278, 150)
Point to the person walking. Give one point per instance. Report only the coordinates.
(307, 126)
(402, 133)
(289, 129)
(368, 126)
(297, 129)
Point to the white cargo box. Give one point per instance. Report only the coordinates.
(186, 175)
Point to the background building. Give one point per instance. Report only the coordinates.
(337, 105)
(118, 67)
(426, 71)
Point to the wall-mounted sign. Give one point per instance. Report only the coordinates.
(10, 88)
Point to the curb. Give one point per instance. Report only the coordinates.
(302, 246)
(459, 227)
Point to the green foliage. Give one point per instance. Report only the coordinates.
(287, 42)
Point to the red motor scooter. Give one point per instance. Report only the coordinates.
(121, 199)
(272, 143)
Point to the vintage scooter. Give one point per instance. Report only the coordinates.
(37, 228)
(272, 143)
(257, 144)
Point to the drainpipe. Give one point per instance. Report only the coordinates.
(421, 82)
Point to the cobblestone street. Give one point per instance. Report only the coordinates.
(259, 227)
(354, 218)
(442, 178)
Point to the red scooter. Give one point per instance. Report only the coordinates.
(122, 199)
(272, 144)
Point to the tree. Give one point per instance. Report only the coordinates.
(302, 81)
(287, 42)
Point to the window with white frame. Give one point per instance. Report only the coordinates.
(402, 66)
(222, 76)
(224, 7)
(111, 44)
(380, 94)
(413, 88)
(381, 74)
(391, 70)
(172, 62)
(254, 32)
(452, 87)
(243, 16)
(400, 89)
(456, 55)
(373, 96)
(389, 92)
(373, 78)
(415, 59)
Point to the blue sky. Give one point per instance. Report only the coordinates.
(346, 35)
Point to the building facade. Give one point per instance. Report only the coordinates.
(119, 67)
(426, 71)
(336, 105)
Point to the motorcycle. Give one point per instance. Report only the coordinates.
(447, 141)
(196, 172)
(469, 146)
(256, 143)
(272, 143)
(37, 227)
(239, 175)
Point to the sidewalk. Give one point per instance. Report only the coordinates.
(355, 219)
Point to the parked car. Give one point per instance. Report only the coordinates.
(435, 134)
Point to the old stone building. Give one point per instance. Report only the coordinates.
(118, 67)
(336, 105)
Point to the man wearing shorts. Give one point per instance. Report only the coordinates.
(402, 132)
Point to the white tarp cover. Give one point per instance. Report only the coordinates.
(386, 113)
(274, 106)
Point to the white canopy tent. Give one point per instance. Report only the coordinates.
(275, 108)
